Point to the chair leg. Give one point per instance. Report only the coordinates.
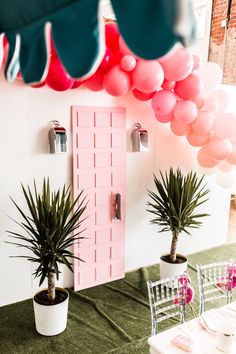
(202, 305)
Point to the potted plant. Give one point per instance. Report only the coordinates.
(174, 205)
(52, 226)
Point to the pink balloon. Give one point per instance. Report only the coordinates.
(116, 82)
(211, 75)
(142, 96)
(196, 139)
(200, 101)
(164, 119)
(168, 85)
(95, 82)
(205, 159)
(204, 122)
(148, 76)
(210, 103)
(178, 65)
(189, 88)
(185, 112)
(232, 157)
(222, 99)
(224, 166)
(179, 129)
(163, 102)
(219, 148)
(196, 62)
(225, 125)
(128, 63)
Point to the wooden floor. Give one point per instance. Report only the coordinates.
(232, 223)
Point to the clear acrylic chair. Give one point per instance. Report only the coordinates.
(214, 282)
(166, 300)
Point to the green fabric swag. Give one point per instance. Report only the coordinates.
(150, 28)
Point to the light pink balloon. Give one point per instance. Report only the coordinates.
(164, 119)
(189, 88)
(225, 125)
(178, 65)
(163, 102)
(200, 101)
(224, 166)
(116, 82)
(179, 129)
(204, 122)
(219, 148)
(148, 76)
(196, 139)
(196, 62)
(222, 98)
(168, 85)
(211, 76)
(185, 112)
(128, 63)
(205, 159)
(210, 103)
(232, 157)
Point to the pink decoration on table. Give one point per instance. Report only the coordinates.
(186, 292)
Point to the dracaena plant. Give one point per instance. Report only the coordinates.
(175, 203)
(53, 225)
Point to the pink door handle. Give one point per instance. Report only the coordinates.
(118, 206)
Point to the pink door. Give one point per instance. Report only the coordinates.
(99, 166)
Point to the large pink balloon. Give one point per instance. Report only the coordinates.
(164, 119)
(148, 76)
(58, 79)
(163, 102)
(204, 122)
(178, 65)
(205, 159)
(196, 139)
(128, 63)
(189, 88)
(142, 96)
(179, 129)
(219, 148)
(116, 82)
(185, 112)
(211, 75)
(225, 125)
(232, 157)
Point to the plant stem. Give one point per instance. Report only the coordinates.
(174, 241)
(51, 286)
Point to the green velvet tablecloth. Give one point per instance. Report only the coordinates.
(111, 318)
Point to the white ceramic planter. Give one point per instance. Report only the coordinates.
(51, 320)
(172, 269)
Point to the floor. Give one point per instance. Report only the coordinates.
(232, 221)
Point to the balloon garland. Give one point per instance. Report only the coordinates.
(182, 92)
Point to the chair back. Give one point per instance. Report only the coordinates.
(166, 300)
(214, 282)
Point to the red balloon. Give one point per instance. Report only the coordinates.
(95, 82)
(41, 84)
(58, 79)
(77, 83)
(168, 85)
(112, 36)
(142, 96)
(106, 61)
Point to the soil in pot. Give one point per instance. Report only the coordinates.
(42, 298)
(179, 259)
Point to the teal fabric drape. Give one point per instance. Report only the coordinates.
(150, 28)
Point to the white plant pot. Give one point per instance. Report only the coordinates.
(172, 269)
(51, 320)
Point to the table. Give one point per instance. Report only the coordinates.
(205, 342)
